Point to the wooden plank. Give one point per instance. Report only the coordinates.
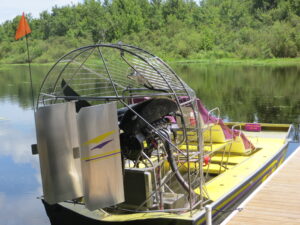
(278, 202)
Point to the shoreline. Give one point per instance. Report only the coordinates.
(222, 61)
(242, 62)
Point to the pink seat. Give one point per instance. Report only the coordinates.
(208, 119)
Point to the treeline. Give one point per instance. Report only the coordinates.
(172, 29)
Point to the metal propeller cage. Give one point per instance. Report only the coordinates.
(117, 72)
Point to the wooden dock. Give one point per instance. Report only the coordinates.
(277, 201)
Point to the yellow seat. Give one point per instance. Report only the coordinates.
(238, 147)
(214, 134)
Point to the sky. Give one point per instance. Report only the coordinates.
(11, 8)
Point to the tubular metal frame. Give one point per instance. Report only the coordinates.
(164, 81)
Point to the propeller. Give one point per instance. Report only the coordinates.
(68, 91)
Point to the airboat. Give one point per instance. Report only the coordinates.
(122, 139)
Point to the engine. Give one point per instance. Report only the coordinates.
(144, 134)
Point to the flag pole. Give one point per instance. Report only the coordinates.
(30, 75)
(23, 30)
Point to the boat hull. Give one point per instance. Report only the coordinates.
(59, 214)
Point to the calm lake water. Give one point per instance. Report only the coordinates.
(243, 93)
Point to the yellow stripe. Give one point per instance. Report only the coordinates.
(99, 138)
(100, 155)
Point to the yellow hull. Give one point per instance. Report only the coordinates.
(243, 175)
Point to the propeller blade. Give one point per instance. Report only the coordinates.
(68, 91)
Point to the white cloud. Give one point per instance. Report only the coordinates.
(10, 9)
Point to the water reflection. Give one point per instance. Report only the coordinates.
(243, 93)
(247, 93)
(15, 86)
(19, 170)
(20, 183)
(24, 209)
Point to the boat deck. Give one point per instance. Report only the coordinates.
(277, 201)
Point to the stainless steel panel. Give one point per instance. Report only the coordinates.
(100, 156)
(57, 135)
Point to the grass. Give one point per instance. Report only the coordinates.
(254, 62)
(224, 61)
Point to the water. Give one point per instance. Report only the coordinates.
(20, 182)
(247, 93)
(243, 93)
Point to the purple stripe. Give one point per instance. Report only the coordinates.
(217, 210)
(101, 145)
(236, 198)
(102, 156)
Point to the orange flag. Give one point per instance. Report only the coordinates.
(23, 28)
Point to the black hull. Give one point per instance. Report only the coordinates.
(60, 215)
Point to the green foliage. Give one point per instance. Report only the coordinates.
(172, 29)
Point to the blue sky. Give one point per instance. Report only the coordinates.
(11, 8)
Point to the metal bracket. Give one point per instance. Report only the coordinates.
(34, 149)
